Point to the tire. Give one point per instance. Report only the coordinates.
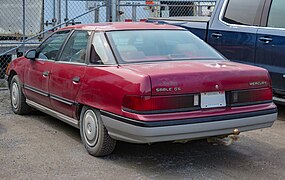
(18, 99)
(94, 134)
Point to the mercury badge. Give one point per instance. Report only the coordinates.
(258, 83)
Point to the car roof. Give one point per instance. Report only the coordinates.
(113, 26)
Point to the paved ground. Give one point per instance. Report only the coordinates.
(41, 147)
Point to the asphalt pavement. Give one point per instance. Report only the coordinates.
(38, 146)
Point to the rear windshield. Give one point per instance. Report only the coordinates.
(159, 45)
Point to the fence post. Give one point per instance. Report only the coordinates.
(24, 23)
(199, 9)
(96, 15)
(66, 11)
(134, 13)
(43, 18)
(54, 14)
(108, 10)
(114, 10)
(118, 15)
(59, 12)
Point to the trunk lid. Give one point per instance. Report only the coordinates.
(186, 77)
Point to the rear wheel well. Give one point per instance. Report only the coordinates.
(12, 73)
(78, 111)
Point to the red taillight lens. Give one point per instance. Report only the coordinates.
(160, 103)
(252, 96)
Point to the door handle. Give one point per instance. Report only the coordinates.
(76, 79)
(216, 35)
(45, 74)
(266, 39)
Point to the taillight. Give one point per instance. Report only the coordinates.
(252, 96)
(154, 104)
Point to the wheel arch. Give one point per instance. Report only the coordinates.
(78, 110)
(10, 76)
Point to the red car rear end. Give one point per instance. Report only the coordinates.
(140, 83)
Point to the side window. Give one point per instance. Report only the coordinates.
(277, 14)
(244, 12)
(76, 47)
(50, 48)
(100, 51)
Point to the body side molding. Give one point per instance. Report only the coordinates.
(62, 117)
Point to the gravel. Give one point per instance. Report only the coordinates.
(38, 146)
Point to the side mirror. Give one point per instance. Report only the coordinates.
(31, 54)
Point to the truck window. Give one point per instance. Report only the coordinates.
(244, 12)
(277, 14)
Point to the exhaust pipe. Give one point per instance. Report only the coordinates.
(228, 140)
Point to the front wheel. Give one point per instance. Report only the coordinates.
(18, 99)
(94, 134)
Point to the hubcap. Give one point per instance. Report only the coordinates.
(90, 127)
(15, 95)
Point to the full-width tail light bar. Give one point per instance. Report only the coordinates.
(179, 103)
(153, 104)
(251, 96)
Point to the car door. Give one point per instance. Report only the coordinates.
(67, 73)
(234, 32)
(270, 51)
(37, 72)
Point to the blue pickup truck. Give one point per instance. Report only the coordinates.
(246, 31)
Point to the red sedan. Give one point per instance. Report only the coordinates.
(140, 83)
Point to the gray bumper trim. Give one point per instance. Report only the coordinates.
(136, 134)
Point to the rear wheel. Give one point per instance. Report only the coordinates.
(18, 99)
(94, 134)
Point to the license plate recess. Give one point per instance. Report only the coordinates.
(213, 99)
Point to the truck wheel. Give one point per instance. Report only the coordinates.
(94, 134)
(18, 99)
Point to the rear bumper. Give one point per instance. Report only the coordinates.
(129, 130)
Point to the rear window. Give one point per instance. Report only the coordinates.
(159, 45)
(244, 12)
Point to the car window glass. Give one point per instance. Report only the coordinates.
(76, 47)
(277, 14)
(100, 50)
(144, 46)
(50, 48)
(244, 12)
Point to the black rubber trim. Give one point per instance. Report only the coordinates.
(62, 100)
(279, 92)
(163, 111)
(38, 91)
(249, 103)
(188, 121)
(52, 96)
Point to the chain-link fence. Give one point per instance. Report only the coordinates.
(25, 23)
(140, 10)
